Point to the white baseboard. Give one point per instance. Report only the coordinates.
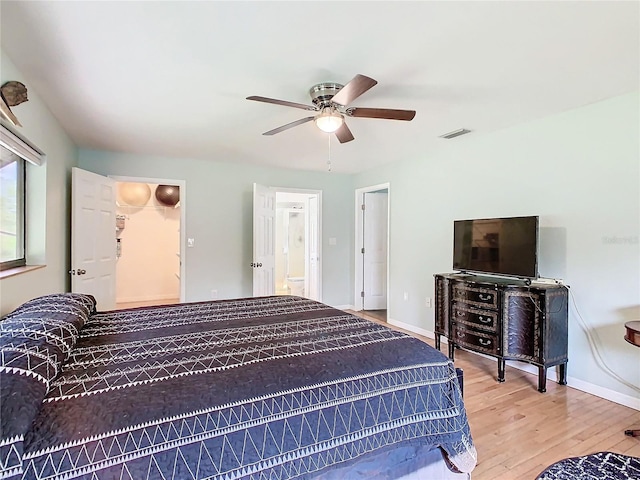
(148, 298)
(552, 374)
(411, 328)
(607, 393)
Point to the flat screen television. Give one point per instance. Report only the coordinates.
(497, 246)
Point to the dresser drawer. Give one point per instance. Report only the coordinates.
(477, 341)
(486, 320)
(479, 296)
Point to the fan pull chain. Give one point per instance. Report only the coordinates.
(329, 160)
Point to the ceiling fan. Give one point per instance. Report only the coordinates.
(331, 101)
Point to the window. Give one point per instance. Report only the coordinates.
(12, 211)
(15, 152)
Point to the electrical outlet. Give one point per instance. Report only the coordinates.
(427, 302)
(406, 295)
(191, 242)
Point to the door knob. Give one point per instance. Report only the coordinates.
(72, 272)
(81, 271)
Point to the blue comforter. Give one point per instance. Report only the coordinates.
(258, 388)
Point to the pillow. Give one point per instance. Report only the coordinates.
(64, 303)
(35, 340)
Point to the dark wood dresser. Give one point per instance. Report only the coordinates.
(505, 318)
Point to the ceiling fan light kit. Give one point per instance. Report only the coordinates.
(331, 100)
(329, 120)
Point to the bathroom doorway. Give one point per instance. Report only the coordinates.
(297, 243)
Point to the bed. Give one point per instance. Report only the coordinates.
(256, 388)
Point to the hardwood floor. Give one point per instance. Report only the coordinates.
(120, 306)
(518, 431)
(376, 314)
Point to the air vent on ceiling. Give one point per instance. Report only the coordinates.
(455, 133)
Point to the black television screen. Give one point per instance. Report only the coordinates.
(499, 246)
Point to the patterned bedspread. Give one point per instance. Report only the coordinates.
(259, 388)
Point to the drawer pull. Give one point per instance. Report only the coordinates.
(484, 342)
(484, 319)
(459, 313)
(460, 334)
(485, 296)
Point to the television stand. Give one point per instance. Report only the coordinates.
(509, 319)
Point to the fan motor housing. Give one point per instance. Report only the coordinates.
(322, 93)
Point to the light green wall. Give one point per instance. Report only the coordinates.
(579, 171)
(48, 202)
(219, 211)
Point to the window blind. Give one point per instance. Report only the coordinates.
(18, 146)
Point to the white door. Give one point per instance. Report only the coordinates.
(264, 218)
(93, 237)
(374, 256)
(313, 255)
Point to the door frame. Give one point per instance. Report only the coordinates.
(318, 193)
(183, 220)
(358, 241)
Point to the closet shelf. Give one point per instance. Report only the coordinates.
(157, 207)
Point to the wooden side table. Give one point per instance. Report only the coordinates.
(633, 337)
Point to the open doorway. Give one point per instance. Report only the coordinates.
(372, 250)
(286, 242)
(149, 219)
(297, 243)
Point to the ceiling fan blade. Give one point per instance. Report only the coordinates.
(385, 113)
(344, 134)
(288, 126)
(282, 102)
(352, 90)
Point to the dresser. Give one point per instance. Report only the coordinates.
(509, 319)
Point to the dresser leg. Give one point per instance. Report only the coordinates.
(563, 374)
(452, 347)
(501, 370)
(542, 379)
(437, 341)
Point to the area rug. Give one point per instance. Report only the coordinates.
(597, 466)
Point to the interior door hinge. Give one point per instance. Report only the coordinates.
(362, 294)
(362, 206)
(362, 250)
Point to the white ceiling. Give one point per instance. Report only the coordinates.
(171, 78)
